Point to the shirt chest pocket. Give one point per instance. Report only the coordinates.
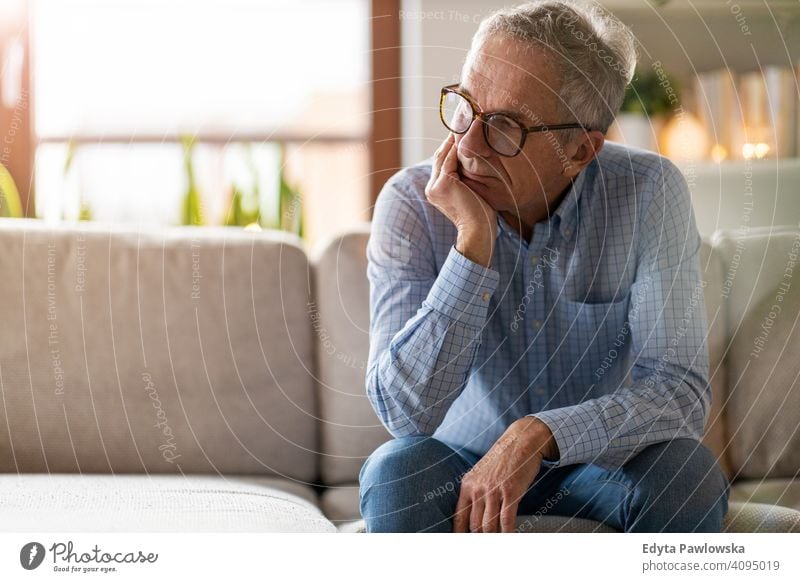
(590, 338)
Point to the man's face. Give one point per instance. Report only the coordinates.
(505, 76)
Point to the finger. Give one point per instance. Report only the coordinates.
(491, 515)
(508, 516)
(476, 514)
(441, 152)
(446, 148)
(450, 161)
(463, 509)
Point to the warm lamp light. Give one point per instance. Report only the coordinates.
(719, 153)
(758, 142)
(756, 151)
(684, 138)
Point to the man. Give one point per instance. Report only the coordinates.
(538, 325)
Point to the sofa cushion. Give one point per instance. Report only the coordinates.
(763, 303)
(160, 351)
(340, 503)
(162, 503)
(341, 506)
(785, 492)
(715, 435)
(350, 429)
(761, 518)
(525, 524)
(741, 518)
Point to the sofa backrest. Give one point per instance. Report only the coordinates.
(172, 350)
(711, 272)
(761, 293)
(351, 431)
(205, 350)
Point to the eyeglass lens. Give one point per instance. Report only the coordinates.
(503, 134)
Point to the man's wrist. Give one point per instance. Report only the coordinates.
(542, 439)
(477, 246)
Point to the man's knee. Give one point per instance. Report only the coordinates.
(410, 484)
(403, 458)
(678, 486)
(688, 464)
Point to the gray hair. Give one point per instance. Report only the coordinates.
(595, 52)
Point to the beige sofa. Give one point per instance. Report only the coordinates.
(211, 379)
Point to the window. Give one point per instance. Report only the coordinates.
(260, 87)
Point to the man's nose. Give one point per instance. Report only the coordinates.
(472, 144)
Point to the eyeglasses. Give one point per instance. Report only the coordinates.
(504, 134)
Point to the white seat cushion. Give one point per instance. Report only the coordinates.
(341, 505)
(525, 524)
(158, 503)
(761, 518)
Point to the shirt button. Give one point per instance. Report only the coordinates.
(567, 231)
(486, 296)
(535, 259)
(539, 390)
(537, 324)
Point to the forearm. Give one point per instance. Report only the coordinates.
(414, 378)
(611, 429)
(413, 383)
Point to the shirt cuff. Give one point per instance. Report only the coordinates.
(462, 289)
(580, 435)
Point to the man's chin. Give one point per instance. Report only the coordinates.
(481, 189)
(476, 186)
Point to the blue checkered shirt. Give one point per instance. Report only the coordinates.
(596, 325)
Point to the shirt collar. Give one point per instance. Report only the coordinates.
(504, 228)
(567, 211)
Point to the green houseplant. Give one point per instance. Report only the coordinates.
(290, 210)
(245, 205)
(10, 205)
(192, 212)
(84, 209)
(650, 99)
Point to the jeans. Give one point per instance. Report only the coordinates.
(411, 484)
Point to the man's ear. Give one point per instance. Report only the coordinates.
(582, 151)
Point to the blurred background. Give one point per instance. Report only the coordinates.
(292, 114)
